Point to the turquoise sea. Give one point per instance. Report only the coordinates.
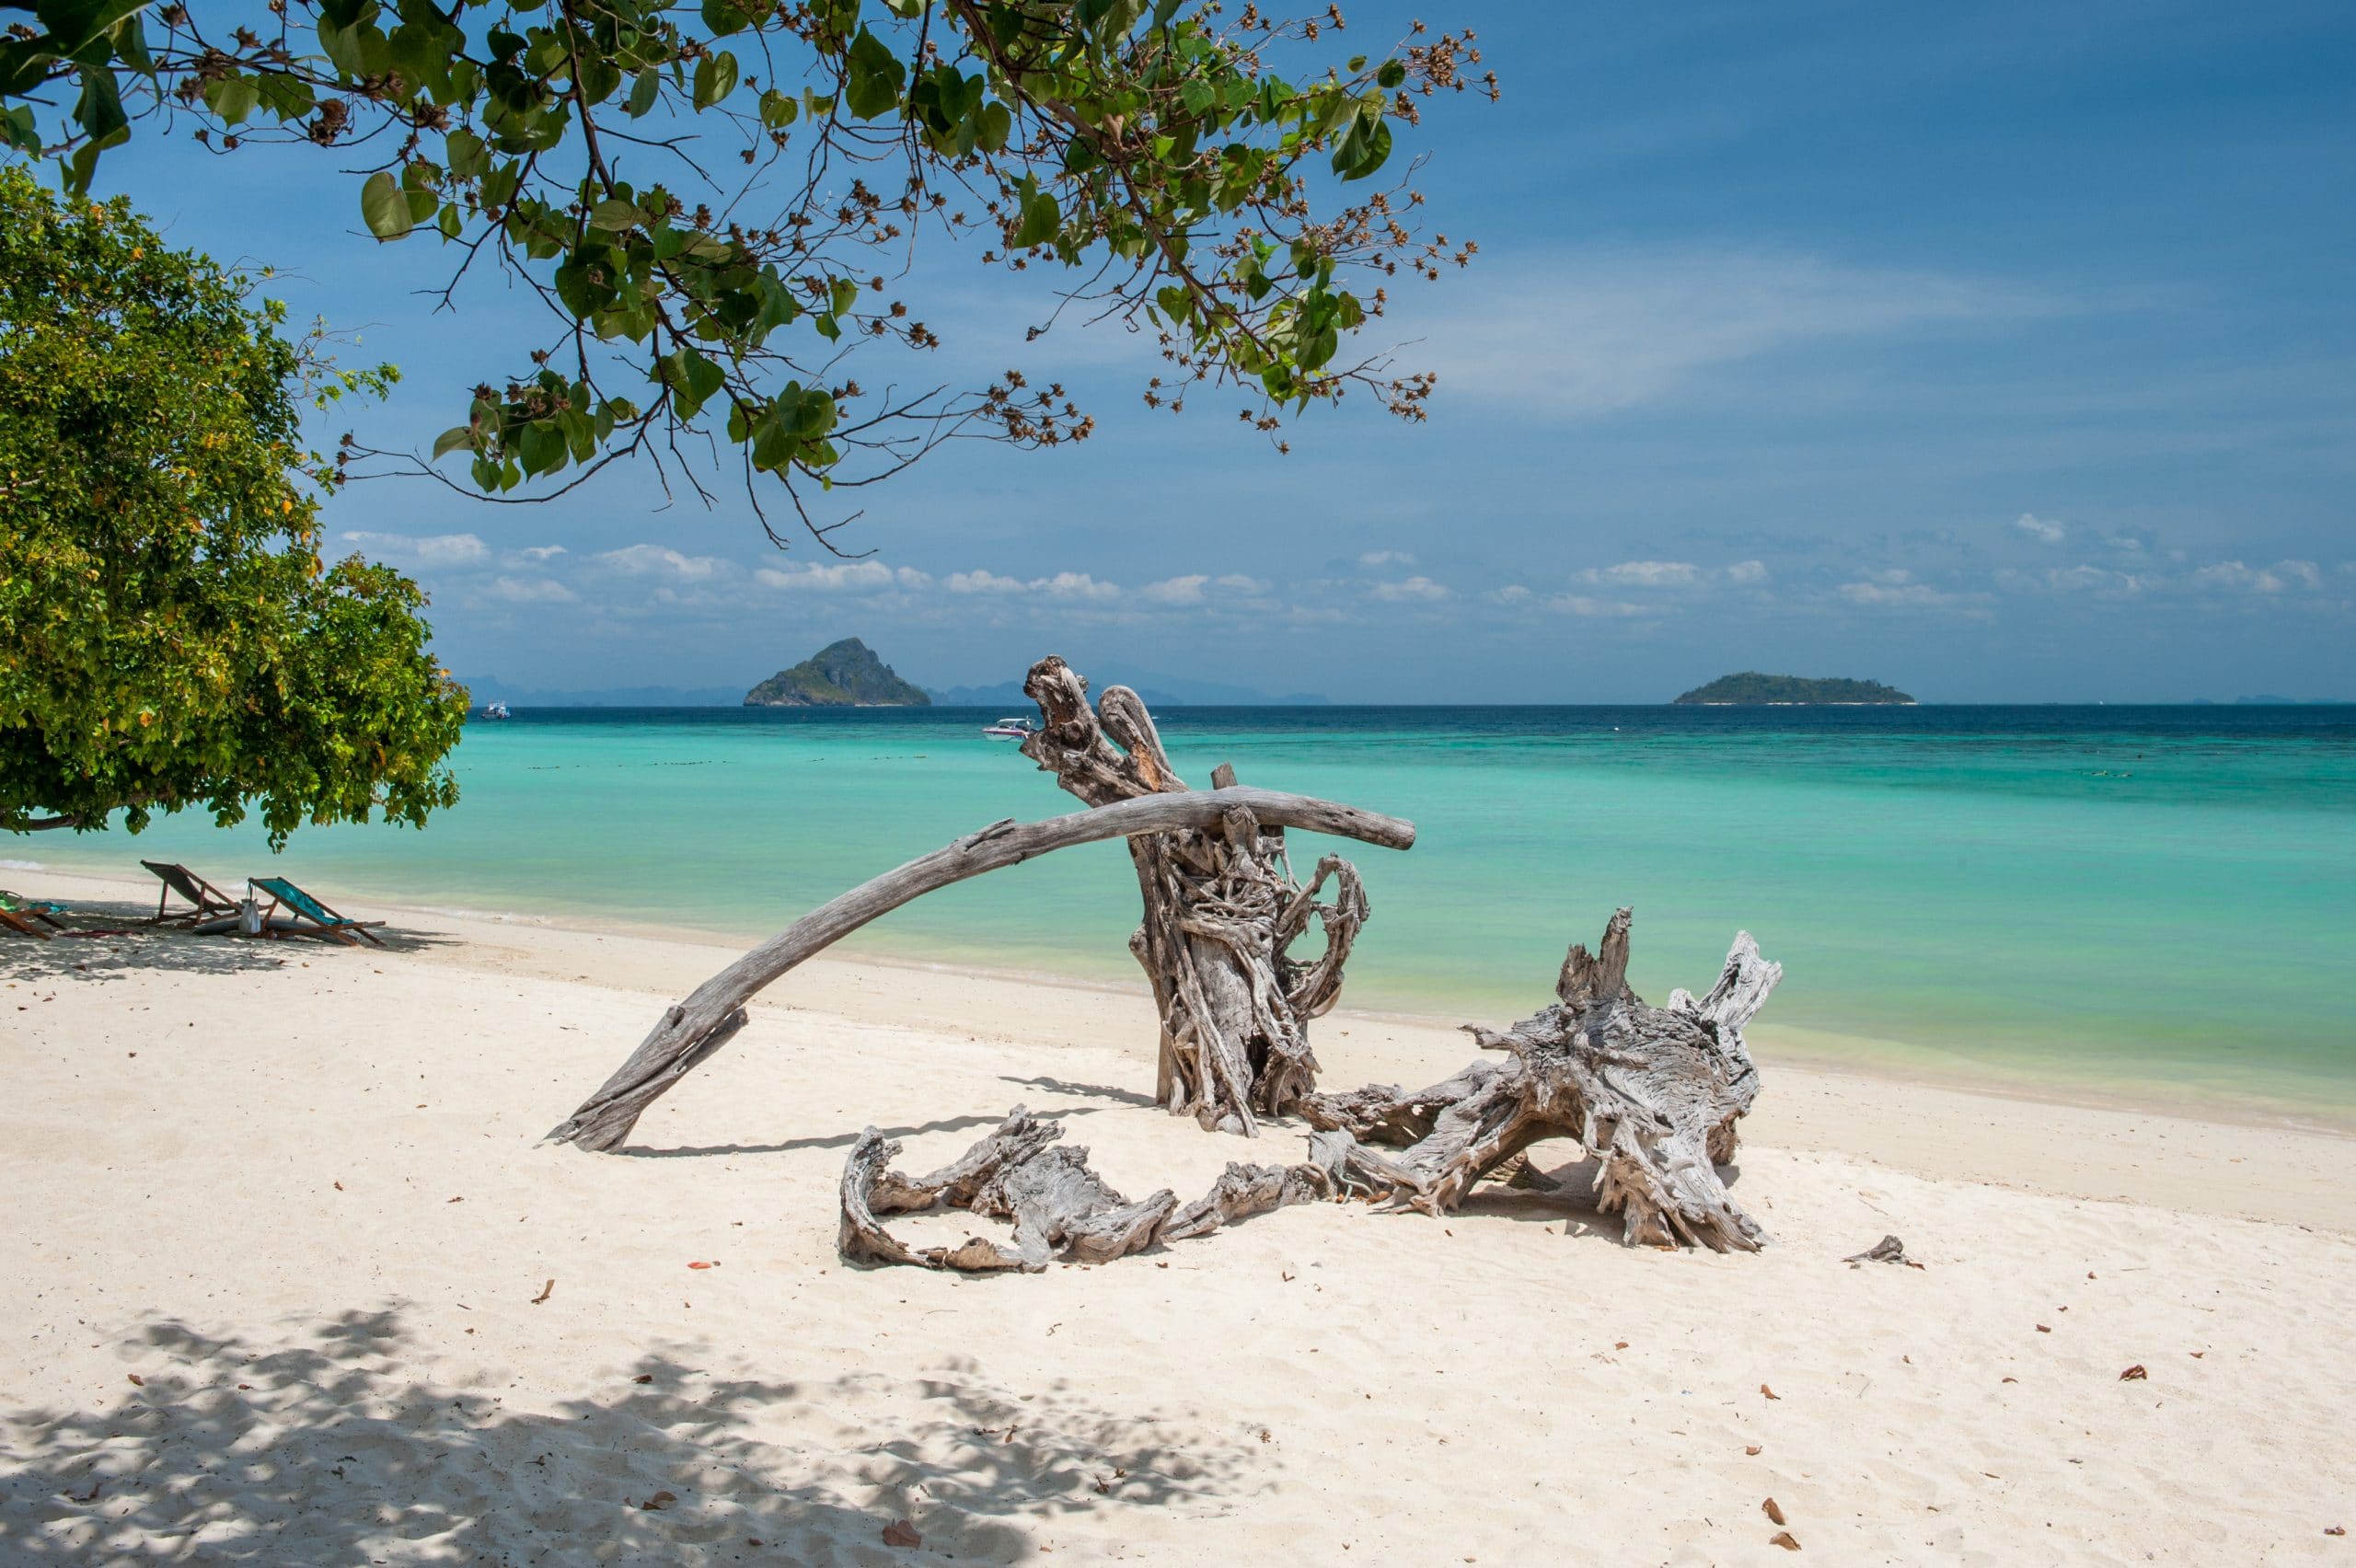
(2149, 903)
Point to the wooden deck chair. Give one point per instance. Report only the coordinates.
(210, 902)
(285, 895)
(28, 915)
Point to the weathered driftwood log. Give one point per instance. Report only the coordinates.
(1221, 911)
(690, 1032)
(1653, 1094)
(1058, 1206)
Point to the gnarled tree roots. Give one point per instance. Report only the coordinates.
(1651, 1093)
(1060, 1208)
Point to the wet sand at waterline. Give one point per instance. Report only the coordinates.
(287, 1278)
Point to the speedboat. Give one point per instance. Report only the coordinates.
(1010, 730)
(496, 710)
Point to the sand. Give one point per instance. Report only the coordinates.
(276, 1256)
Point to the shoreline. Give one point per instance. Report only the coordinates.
(2258, 1167)
(1865, 1058)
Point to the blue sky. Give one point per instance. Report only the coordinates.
(2002, 352)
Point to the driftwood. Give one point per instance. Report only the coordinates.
(1058, 1206)
(693, 1030)
(1651, 1093)
(1223, 909)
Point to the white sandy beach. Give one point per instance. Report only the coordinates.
(275, 1265)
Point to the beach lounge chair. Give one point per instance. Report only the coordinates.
(28, 915)
(210, 902)
(285, 895)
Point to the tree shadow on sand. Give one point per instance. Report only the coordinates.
(107, 941)
(325, 1451)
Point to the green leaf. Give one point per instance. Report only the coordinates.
(612, 214)
(643, 93)
(463, 151)
(385, 206)
(715, 78)
(872, 78)
(777, 110)
(1391, 73)
(451, 440)
(98, 111)
(232, 98)
(1041, 219)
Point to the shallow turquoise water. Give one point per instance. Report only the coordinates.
(2108, 899)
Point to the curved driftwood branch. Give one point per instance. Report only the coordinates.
(694, 1029)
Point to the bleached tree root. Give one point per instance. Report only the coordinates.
(1059, 1208)
(1222, 911)
(693, 1030)
(1653, 1094)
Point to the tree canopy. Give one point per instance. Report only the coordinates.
(713, 200)
(170, 636)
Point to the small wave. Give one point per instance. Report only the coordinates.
(497, 917)
(21, 866)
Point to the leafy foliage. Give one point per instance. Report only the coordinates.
(1152, 147)
(170, 636)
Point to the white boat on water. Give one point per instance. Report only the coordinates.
(496, 710)
(1010, 730)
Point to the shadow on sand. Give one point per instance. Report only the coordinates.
(105, 940)
(325, 1451)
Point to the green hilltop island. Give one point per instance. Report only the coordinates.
(1751, 690)
(841, 674)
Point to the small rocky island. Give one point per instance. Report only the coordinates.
(1751, 690)
(841, 674)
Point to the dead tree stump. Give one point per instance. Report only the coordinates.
(1651, 1093)
(1222, 910)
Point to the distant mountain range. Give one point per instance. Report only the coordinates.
(1751, 690)
(841, 674)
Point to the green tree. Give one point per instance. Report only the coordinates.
(170, 636)
(710, 198)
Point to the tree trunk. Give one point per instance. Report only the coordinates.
(1653, 1094)
(1221, 911)
(690, 1032)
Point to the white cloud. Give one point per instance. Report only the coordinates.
(2233, 577)
(543, 552)
(1888, 593)
(1412, 590)
(1177, 590)
(1062, 586)
(1511, 594)
(425, 549)
(650, 560)
(1190, 588)
(2043, 530)
(1747, 572)
(530, 590)
(1581, 604)
(1645, 574)
(843, 576)
(1581, 332)
(2100, 581)
(1386, 558)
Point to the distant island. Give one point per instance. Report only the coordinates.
(1751, 690)
(841, 674)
